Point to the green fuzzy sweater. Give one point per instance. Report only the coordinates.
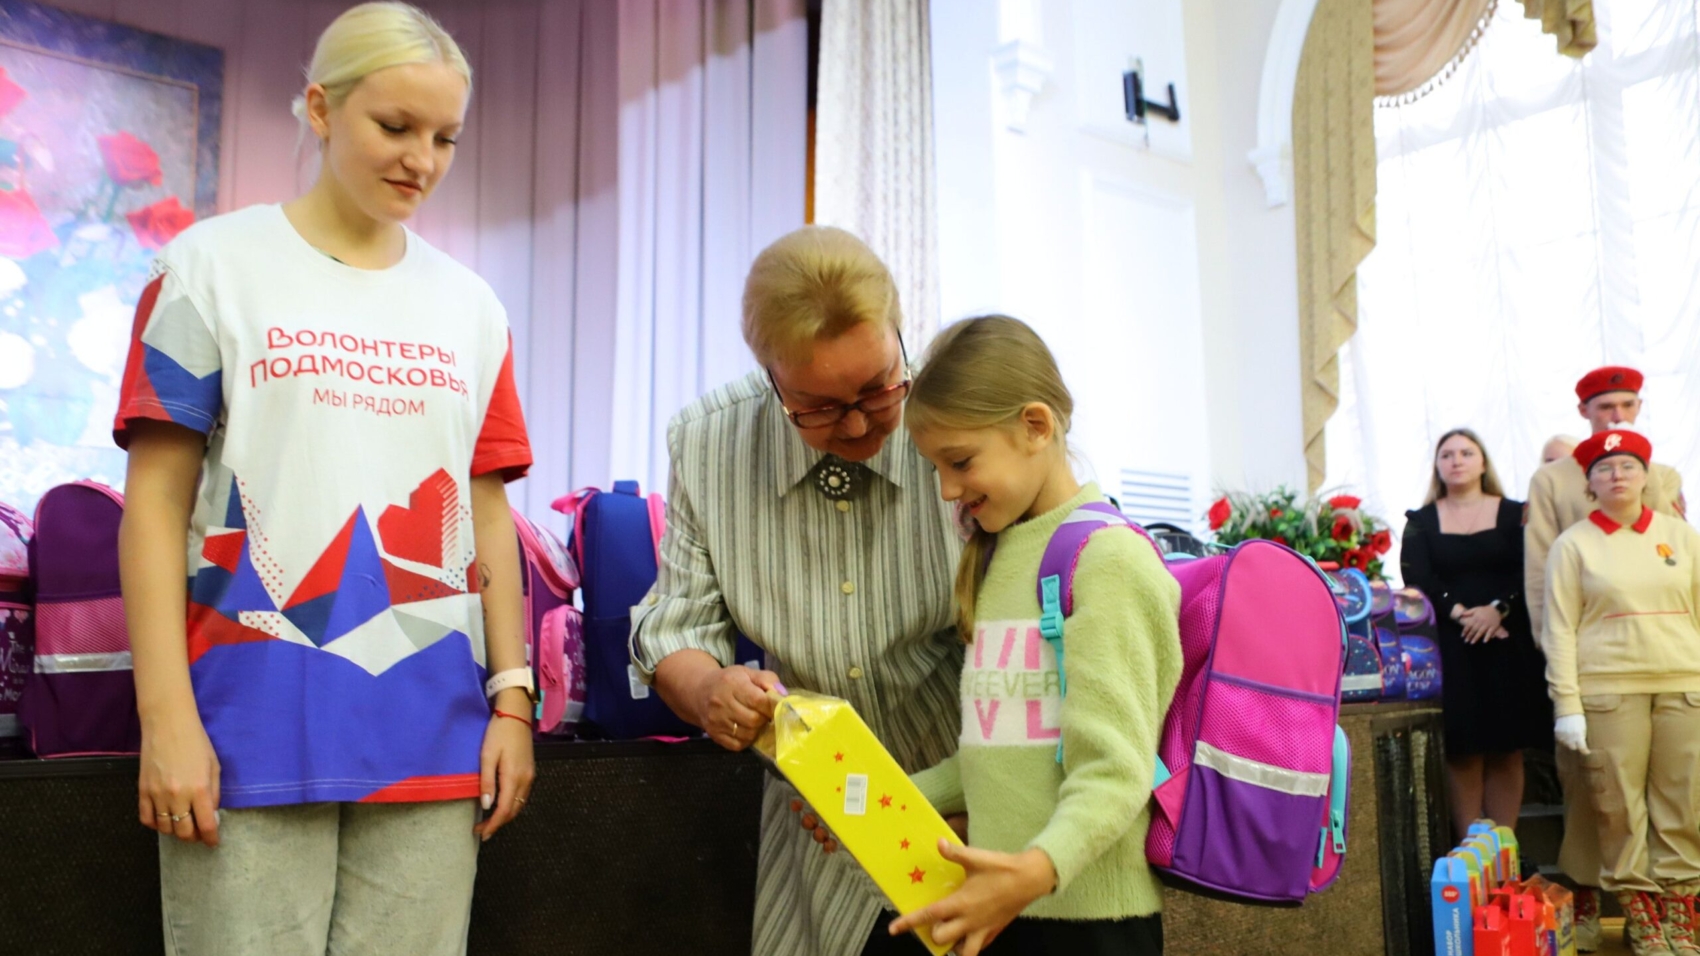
(1122, 657)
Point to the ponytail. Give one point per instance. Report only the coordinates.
(970, 571)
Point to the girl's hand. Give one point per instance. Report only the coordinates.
(999, 886)
(506, 768)
(177, 792)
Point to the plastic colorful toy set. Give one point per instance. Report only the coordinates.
(1481, 908)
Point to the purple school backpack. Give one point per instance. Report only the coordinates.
(17, 615)
(554, 628)
(80, 698)
(1419, 643)
(1251, 780)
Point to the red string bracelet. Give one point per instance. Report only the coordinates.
(503, 713)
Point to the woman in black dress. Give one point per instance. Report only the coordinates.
(1464, 549)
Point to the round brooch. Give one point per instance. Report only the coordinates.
(835, 480)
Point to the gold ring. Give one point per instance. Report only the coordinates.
(520, 801)
(164, 814)
(179, 817)
(734, 728)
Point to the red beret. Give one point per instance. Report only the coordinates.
(1617, 441)
(1612, 378)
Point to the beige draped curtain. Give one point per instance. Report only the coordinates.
(1354, 52)
(1570, 21)
(1419, 42)
(1333, 199)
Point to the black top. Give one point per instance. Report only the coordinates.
(1494, 692)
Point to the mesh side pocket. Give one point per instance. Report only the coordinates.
(81, 627)
(1270, 728)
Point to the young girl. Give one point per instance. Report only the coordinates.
(320, 414)
(1060, 845)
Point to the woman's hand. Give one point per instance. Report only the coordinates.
(1480, 623)
(506, 766)
(999, 886)
(178, 787)
(732, 705)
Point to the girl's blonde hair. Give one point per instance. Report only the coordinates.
(372, 37)
(1490, 478)
(981, 373)
(811, 284)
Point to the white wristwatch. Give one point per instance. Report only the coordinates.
(512, 677)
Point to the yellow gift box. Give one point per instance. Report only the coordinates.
(865, 798)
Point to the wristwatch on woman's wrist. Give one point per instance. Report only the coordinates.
(1503, 608)
(512, 677)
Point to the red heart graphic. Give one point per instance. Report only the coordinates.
(417, 532)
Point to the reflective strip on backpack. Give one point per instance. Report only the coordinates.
(82, 663)
(1295, 782)
(1351, 683)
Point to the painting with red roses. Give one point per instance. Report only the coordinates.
(108, 149)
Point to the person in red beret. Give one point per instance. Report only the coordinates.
(1622, 642)
(1608, 398)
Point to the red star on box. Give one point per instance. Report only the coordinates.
(885, 801)
(839, 757)
(917, 875)
(905, 844)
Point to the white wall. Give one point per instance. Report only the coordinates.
(1153, 267)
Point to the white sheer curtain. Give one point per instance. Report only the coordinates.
(1537, 217)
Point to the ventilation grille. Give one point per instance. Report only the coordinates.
(1149, 497)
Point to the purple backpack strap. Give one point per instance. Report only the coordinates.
(1056, 573)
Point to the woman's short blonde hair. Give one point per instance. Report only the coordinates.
(372, 37)
(814, 284)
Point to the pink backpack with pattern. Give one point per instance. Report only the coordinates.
(17, 615)
(1249, 794)
(554, 627)
(80, 698)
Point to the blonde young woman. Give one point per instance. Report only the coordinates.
(1464, 550)
(1622, 643)
(320, 413)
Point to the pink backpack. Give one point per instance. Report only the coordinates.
(80, 698)
(1252, 769)
(17, 615)
(554, 628)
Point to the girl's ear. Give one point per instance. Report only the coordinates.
(318, 111)
(1039, 424)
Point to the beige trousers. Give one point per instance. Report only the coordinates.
(1644, 765)
(324, 879)
(1579, 854)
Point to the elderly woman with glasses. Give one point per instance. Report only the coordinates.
(800, 515)
(1622, 641)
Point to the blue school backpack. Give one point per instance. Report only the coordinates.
(616, 541)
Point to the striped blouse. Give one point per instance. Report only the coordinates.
(851, 599)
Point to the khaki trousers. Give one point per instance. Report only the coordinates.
(1579, 854)
(324, 879)
(1644, 766)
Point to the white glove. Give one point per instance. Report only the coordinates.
(1572, 732)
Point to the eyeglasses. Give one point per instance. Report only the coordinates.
(1619, 468)
(879, 402)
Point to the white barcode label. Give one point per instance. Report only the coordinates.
(855, 794)
(640, 690)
